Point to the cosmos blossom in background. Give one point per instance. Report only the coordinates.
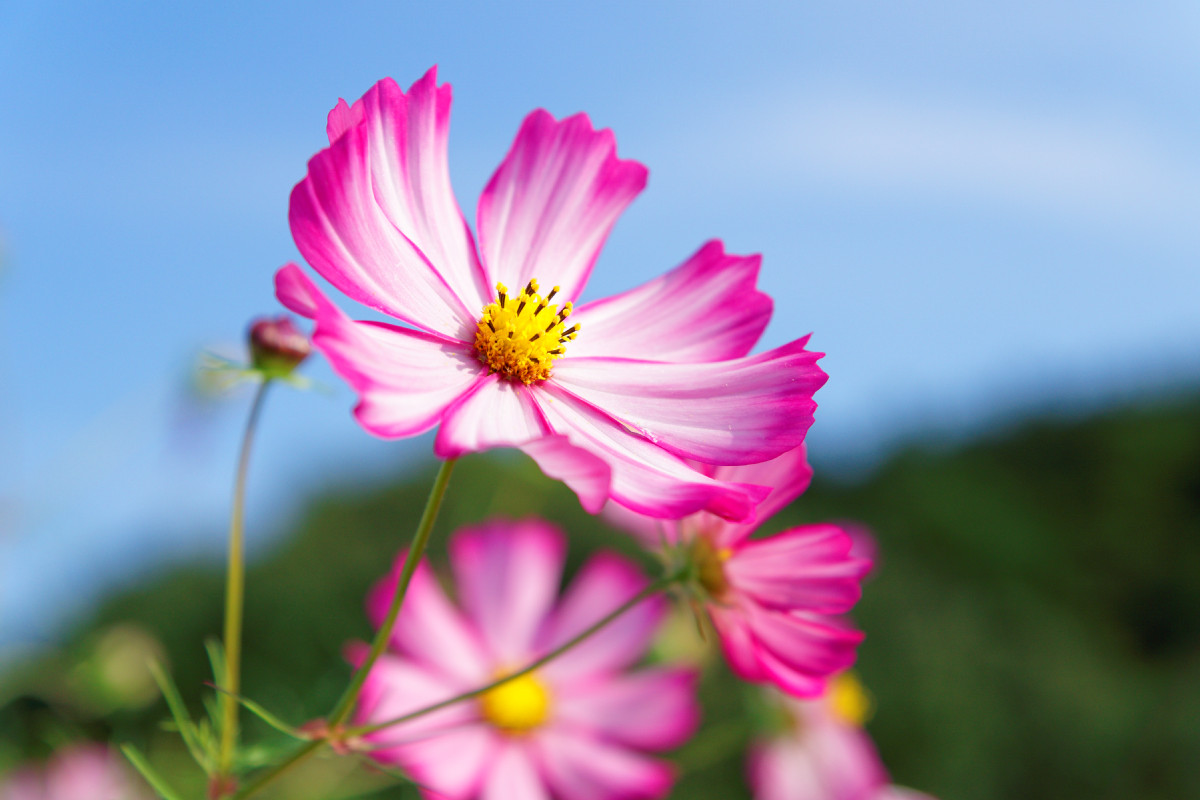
(577, 727)
(821, 751)
(616, 397)
(776, 602)
(81, 772)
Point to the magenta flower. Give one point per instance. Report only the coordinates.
(777, 602)
(610, 397)
(823, 753)
(83, 772)
(577, 727)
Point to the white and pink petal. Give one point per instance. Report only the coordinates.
(706, 309)
(809, 567)
(651, 709)
(788, 475)
(584, 472)
(450, 766)
(513, 775)
(604, 583)
(344, 234)
(508, 574)
(496, 413)
(397, 686)
(407, 137)
(429, 628)
(342, 118)
(798, 651)
(405, 378)
(742, 411)
(584, 768)
(549, 207)
(645, 477)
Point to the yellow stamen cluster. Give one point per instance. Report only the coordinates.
(849, 700)
(710, 566)
(520, 337)
(517, 706)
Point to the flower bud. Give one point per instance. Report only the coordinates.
(277, 346)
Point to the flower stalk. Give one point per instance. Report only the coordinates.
(415, 551)
(235, 588)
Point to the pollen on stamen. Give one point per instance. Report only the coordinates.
(521, 342)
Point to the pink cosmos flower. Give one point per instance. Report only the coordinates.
(775, 602)
(574, 729)
(823, 753)
(82, 772)
(610, 397)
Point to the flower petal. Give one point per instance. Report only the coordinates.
(588, 475)
(513, 776)
(784, 770)
(807, 567)
(652, 709)
(407, 135)
(602, 585)
(900, 793)
(452, 766)
(395, 686)
(507, 575)
(737, 642)
(498, 413)
(798, 651)
(583, 768)
(645, 478)
(344, 234)
(706, 309)
(788, 475)
(825, 760)
(729, 412)
(342, 118)
(429, 629)
(405, 378)
(549, 207)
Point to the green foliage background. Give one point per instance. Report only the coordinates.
(1033, 626)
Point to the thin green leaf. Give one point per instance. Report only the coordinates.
(266, 716)
(216, 657)
(179, 712)
(269, 718)
(142, 766)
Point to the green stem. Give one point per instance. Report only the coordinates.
(383, 635)
(235, 587)
(655, 587)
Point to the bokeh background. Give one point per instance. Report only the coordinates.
(987, 216)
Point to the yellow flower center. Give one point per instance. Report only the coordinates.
(710, 566)
(849, 700)
(517, 706)
(520, 337)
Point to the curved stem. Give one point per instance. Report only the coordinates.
(235, 586)
(415, 551)
(655, 587)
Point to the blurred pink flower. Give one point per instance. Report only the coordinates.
(611, 397)
(82, 772)
(775, 602)
(823, 753)
(574, 729)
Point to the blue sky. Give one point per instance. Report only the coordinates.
(975, 209)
